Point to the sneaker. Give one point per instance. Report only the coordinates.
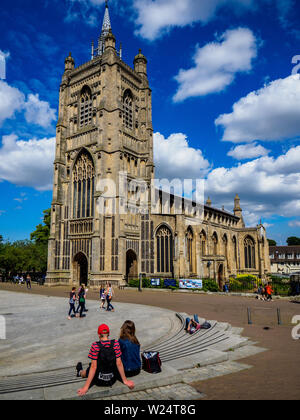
(79, 368)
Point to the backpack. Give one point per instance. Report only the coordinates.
(206, 326)
(106, 365)
(151, 362)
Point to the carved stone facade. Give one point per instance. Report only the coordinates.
(104, 129)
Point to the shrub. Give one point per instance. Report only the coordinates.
(248, 278)
(210, 285)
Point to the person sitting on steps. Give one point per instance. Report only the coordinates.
(106, 364)
(131, 350)
(192, 325)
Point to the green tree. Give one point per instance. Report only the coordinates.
(23, 256)
(40, 241)
(293, 240)
(42, 232)
(272, 242)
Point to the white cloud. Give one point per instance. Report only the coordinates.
(217, 63)
(157, 17)
(39, 112)
(248, 151)
(269, 114)
(78, 9)
(174, 158)
(11, 101)
(267, 186)
(154, 18)
(294, 223)
(27, 163)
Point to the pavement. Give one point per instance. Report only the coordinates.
(267, 367)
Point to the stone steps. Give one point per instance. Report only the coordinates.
(179, 352)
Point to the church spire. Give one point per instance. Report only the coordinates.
(106, 27)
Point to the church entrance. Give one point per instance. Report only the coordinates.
(80, 269)
(221, 277)
(131, 266)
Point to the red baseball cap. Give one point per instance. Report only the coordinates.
(103, 329)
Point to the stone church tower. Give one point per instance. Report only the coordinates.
(103, 226)
(104, 128)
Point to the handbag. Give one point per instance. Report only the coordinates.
(151, 362)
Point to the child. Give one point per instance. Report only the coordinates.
(102, 297)
(106, 360)
(72, 301)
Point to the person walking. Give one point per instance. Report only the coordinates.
(109, 296)
(28, 281)
(72, 301)
(269, 292)
(102, 296)
(106, 364)
(81, 301)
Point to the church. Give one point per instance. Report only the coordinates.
(108, 220)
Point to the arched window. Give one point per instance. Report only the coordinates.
(249, 247)
(85, 106)
(225, 249)
(225, 245)
(128, 109)
(215, 243)
(190, 253)
(83, 187)
(203, 243)
(164, 241)
(234, 249)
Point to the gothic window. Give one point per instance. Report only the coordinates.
(85, 106)
(164, 240)
(203, 243)
(225, 245)
(215, 244)
(190, 253)
(234, 248)
(128, 109)
(249, 248)
(83, 187)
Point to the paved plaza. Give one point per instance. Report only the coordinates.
(40, 339)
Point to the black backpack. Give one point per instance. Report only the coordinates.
(106, 365)
(151, 362)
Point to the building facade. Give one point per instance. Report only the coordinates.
(285, 259)
(105, 224)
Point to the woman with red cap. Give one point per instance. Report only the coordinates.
(106, 361)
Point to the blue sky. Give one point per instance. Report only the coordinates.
(226, 106)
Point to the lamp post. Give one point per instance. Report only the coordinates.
(140, 282)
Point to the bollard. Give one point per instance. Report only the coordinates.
(249, 316)
(279, 316)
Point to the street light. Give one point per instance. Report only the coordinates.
(140, 282)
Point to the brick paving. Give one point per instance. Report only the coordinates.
(275, 374)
